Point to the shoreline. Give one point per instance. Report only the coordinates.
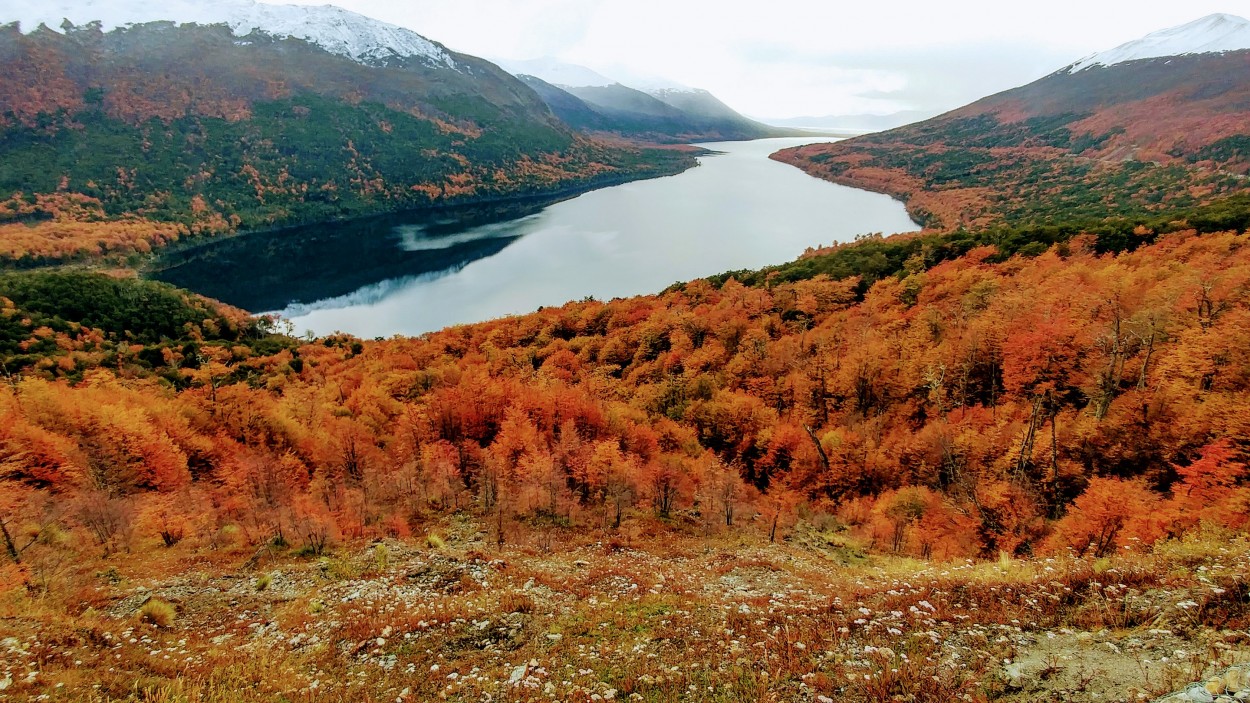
(143, 266)
(900, 195)
(184, 247)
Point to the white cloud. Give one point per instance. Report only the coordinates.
(801, 57)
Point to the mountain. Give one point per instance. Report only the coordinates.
(571, 109)
(641, 107)
(623, 100)
(702, 105)
(124, 126)
(1218, 33)
(565, 74)
(706, 111)
(1119, 133)
(334, 29)
(921, 442)
(671, 116)
(554, 71)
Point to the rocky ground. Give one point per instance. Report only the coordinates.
(725, 618)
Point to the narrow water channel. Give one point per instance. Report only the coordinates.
(416, 273)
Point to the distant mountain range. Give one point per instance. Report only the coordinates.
(555, 72)
(1124, 133)
(655, 108)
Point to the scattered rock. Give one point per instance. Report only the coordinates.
(517, 674)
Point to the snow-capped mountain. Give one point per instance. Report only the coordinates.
(1135, 103)
(1212, 34)
(270, 115)
(362, 39)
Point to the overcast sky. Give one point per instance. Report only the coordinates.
(789, 58)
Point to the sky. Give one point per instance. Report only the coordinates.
(792, 58)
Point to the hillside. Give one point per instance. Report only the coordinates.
(1078, 406)
(574, 111)
(666, 117)
(1090, 141)
(794, 456)
(1002, 462)
(594, 103)
(118, 141)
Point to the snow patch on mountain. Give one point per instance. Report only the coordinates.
(1216, 33)
(362, 39)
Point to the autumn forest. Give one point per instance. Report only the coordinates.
(1002, 458)
(1065, 401)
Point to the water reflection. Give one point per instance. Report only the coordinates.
(410, 274)
(357, 262)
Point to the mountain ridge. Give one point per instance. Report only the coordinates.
(1215, 33)
(337, 30)
(118, 142)
(992, 464)
(1138, 136)
(555, 72)
(652, 108)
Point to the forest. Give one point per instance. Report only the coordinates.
(895, 424)
(806, 457)
(1000, 459)
(1068, 400)
(68, 197)
(1143, 141)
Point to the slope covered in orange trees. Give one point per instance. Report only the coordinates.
(1066, 401)
(1124, 140)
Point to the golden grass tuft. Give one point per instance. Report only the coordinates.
(158, 612)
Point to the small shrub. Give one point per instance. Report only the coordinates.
(110, 575)
(434, 541)
(226, 536)
(512, 602)
(381, 556)
(171, 529)
(263, 581)
(158, 612)
(337, 569)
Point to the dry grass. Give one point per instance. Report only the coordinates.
(158, 612)
(691, 619)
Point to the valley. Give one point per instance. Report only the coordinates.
(518, 436)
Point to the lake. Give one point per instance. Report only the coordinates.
(414, 273)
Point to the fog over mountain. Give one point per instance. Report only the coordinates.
(800, 57)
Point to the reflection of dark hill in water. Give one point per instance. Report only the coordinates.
(272, 270)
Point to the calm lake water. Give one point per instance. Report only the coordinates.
(411, 274)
